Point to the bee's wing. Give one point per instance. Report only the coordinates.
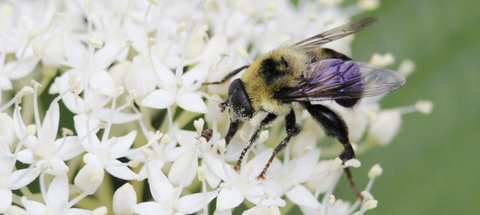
(336, 33)
(333, 79)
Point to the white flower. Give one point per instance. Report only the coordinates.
(43, 150)
(237, 187)
(56, 199)
(167, 198)
(124, 199)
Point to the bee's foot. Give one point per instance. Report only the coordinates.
(261, 177)
(236, 168)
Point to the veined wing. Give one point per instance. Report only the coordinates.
(333, 79)
(335, 34)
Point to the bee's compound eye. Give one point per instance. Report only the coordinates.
(239, 100)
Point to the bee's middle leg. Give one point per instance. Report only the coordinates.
(292, 129)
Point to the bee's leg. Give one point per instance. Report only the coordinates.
(292, 129)
(267, 120)
(232, 130)
(227, 77)
(334, 126)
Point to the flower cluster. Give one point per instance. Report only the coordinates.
(101, 92)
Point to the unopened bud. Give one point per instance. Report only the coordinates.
(375, 171)
(100, 211)
(33, 34)
(37, 49)
(95, 42)
(26, 90)
(201, 173)
(180, 28)
(331, 200)
(58, 16)
(66, 132)
(370, 204)
(424, 106)
(222, 146)
(151, 42)
(353, 163)
(32, 129)
(241, 51)
(72, 78)
(263, 136)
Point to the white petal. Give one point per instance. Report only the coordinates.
(217, 166)
(57, 166)
(197, 73)
(89, 178)
(357, 123)
(258, 210)
(102, 83)
(22, 178)
(167, 78)
(53, 49)
(160, 186)
(33, 207)
(159, 99)
(15, 210)
(149, 208)
(186, 138)
(184, 169)
(192, 203)
(93, 159)
(212, 179)
(70, 149)
(119, 118)
(229, 198)
(119, 71)
(192, 102)
(18, 124)
(123, 144)
(140, 77)
(301, 196)
(305, 165)
(224, 212)
(216, 45)
(74, 49)
(257, 164)
(105, 56)
(58, 192)
(386, 127)
(7, 132)
(26, 156)
(76, 211)
(325, 176)
(26, 67)
(124, 199)
(50, 124)
(6, 199)
(120, 170)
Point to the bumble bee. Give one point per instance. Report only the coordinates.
(305, 73)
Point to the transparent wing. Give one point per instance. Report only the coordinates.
(333, 79)
(336, 33)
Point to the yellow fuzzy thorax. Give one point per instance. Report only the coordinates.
(287, 64)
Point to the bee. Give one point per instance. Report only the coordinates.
(307, 74)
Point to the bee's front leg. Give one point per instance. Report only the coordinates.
(267, 120)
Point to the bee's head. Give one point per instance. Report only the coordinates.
(238, 103)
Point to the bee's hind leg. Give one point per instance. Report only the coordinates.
(292, 129)
(334, 126)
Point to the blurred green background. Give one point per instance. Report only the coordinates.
(433, 165)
